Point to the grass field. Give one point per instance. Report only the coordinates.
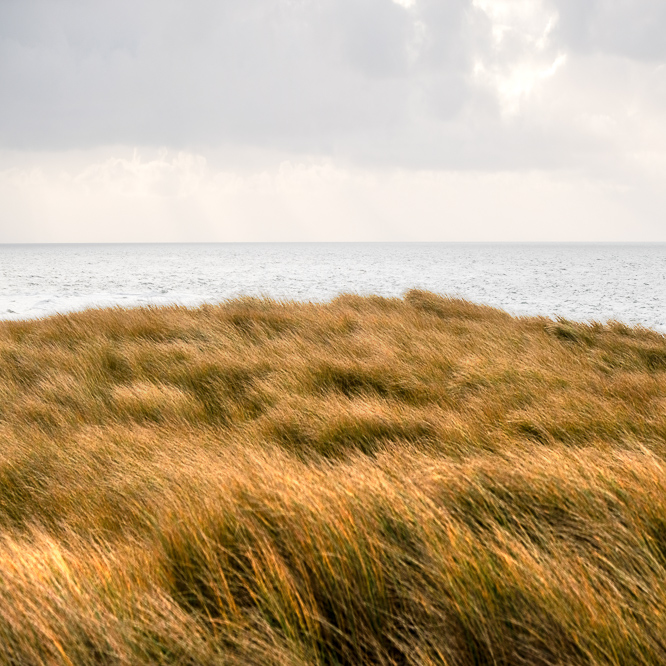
(367, 481)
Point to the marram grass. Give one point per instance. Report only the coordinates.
(367, 481)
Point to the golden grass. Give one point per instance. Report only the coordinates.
(368, 481)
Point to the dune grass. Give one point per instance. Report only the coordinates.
(367, 481)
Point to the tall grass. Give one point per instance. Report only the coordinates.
(367, 481)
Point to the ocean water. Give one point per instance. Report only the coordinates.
(625, 282)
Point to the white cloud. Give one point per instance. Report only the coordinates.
(406, 4)
(521, 55)
(182, 197)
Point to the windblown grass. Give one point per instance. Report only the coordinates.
(368, 481)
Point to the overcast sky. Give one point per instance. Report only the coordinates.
(251, 120)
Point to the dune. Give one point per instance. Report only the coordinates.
(415, 480)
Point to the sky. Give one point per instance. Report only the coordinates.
(332, 120)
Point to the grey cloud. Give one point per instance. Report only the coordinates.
(629, 28)
(301, 72)
(363, 80)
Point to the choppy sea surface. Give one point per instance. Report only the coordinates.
(625, 282)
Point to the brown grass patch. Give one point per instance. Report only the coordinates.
(367, 481)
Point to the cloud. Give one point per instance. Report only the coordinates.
(357, 79)
(183, 197)
(422, 83)
(324, 76)
(628, 28)
(174, 73)
(549, 91)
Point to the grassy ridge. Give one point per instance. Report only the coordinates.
(389, 481)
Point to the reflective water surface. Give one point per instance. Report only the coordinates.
(626, 282)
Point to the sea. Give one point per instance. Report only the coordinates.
(582, 282)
